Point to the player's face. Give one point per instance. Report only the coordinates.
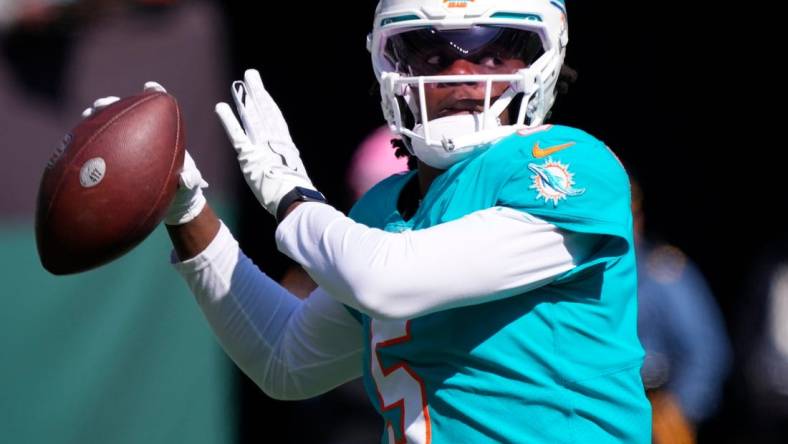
(478, 50)
(446, 99)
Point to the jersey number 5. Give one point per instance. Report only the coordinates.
(398, 385)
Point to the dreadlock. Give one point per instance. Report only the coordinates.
(400, 151)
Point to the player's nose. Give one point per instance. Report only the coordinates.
(462, 67)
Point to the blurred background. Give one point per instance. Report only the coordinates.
(122, 355)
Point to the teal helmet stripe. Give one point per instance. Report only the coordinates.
(517, 15)
(402, 18)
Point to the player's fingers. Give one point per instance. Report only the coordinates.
(104, 102)
(271, 116)
(255, 91)
(98, 105)
(192, 179)
(254, 82)
(232, 127)
(190, 176)
(154, 86)
(259, 94)
(250, 157)
(250, 117)
(254, 159)
(277, 132)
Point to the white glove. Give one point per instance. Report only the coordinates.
(189, 199)
(267, 155)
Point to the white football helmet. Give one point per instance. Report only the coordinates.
(412, 41)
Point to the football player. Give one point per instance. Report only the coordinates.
(489, 295)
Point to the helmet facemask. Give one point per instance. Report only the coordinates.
(409, 60)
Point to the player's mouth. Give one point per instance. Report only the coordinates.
(464, 106)
(459, 108)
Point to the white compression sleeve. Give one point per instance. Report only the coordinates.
(292, 349)
(484, 256)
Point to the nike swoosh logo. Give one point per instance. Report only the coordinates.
(539, 152)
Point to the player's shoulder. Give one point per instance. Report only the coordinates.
(559, 133)
(559, 171)
(554, 141)
(558, 146)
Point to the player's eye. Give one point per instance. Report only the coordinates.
(434, 60)
(431, 64)
(490, 61)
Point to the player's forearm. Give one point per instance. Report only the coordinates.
(483, 257)
(191, 238)
(288, 347)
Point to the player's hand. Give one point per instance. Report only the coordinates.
(104, 102)
(189, 199)
(266, 153)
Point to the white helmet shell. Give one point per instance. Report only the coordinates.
(537, 82)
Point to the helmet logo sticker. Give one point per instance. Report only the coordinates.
(457, 3)
(553, 181)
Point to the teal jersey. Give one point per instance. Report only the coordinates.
(558, 364)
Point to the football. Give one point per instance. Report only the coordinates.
(109, 183)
